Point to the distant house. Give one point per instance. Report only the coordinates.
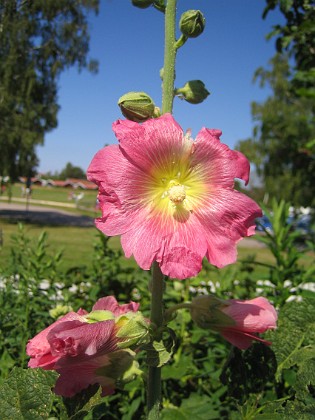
(68, 183)
(81, 183)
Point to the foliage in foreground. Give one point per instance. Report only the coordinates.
(206, 378)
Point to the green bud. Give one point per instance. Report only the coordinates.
(192, 23)
(136, 106)
(206, 313)
(142, 4)
(60, 310)
(193, 92)
(99, 315)
(132, 330)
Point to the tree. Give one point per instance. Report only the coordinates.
(284, 126)
(38, 40)
(297, 36)
(71, 171)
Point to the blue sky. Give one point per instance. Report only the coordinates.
(128, 43)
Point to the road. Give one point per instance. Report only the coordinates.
(57, 217)
(43, 215)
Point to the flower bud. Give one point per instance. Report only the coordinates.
(59, 311)
(193, 92)
(238, 321)
(142, 4)
(132, 329)
(206, 313)
(192, 23)
(136, 106)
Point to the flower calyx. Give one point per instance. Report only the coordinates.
(137, 106)
(193, 92)
(192, 23)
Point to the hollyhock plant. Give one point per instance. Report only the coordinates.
(172, 198)
(89, 348)
(238, 321)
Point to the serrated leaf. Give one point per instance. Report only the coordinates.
(26, 394)
(296, 326)
(305, 380)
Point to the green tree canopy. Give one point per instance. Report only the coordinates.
(38, 40)
(284, 128)
(71, 171)
(297, 37)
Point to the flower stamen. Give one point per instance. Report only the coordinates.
(177, 194)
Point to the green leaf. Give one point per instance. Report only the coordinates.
(196, 406)
(296, 326)
(26, 394)
(160, 352)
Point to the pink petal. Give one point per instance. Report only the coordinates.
(87, 339)
(226, 164)
(256, 315)
(39, 348)
(227, 216)
(159, 137)
(168, 242)
(75, 378)
(241, 340)
(109, 303)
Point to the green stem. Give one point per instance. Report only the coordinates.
(169, 57)
(175, 308)
(154, 377)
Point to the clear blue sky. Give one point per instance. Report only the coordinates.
(128, 43)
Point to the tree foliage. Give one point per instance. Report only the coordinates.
(297, 36)
(284, 128)
(71, 171)
(38, 40)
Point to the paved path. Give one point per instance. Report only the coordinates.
(57, 217)
(43, 215)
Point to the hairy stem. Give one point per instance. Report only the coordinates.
(169, 57)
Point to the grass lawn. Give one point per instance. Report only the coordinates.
(77, 245)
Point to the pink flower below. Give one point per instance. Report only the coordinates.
(238, 321)
(172, 198)
(250, 317)
(80, 351)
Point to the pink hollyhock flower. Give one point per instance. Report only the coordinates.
(172, 198)
(89, 348)
(238, 321)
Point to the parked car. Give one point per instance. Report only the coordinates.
(263, 224)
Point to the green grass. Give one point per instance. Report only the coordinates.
(77, 244)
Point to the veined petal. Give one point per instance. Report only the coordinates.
(39, 348)
(109, 303)
(226, 164)
(75, 378)
(227, 217)
(255, 315)
(73, 338)
(240, 339)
